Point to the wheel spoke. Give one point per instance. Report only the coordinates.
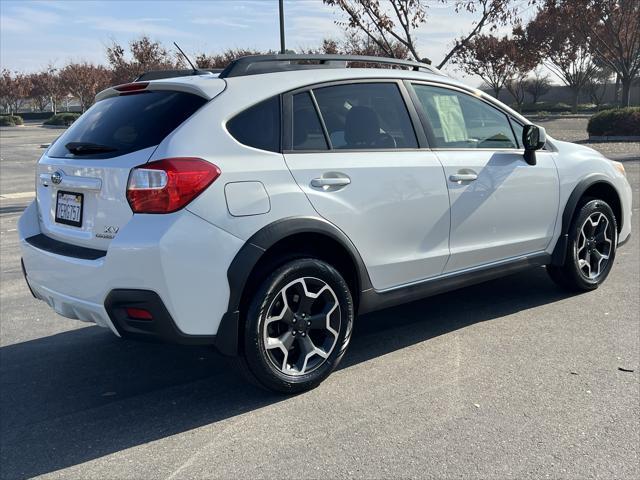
(582, 264)
(599, 257)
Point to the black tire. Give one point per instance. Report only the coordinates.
(570, 275)
(263, 365)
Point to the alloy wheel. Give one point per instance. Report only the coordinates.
(594, 245)
(301, 327)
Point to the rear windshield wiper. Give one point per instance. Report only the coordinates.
(87, 148)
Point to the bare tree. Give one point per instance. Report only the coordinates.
(487, 56)
(38, 92)
(14, 90)
(597, 84)
(84, 80)
(354, 44)
(611, 29)
(516, 86)
(221, 60)
(490, 15)
(56, 88)
(538, 85)
(564, 49)
(144, 55)
(384, 26)
(397, 20)
(47, 89)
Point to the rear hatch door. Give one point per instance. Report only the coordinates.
(81, 180)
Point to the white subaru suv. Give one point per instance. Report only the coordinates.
(259, 210)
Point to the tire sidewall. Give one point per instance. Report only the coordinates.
(254, 351)
(588, 209)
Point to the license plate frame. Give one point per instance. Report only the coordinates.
(69, 221)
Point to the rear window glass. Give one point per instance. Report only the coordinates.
(258, 126)
(119, 125)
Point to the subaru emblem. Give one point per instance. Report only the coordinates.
(56, 177)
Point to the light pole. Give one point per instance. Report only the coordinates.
(281, 8)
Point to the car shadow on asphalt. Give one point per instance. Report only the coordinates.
(80, 395)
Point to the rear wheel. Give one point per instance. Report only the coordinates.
(298, 326)
(591, 250)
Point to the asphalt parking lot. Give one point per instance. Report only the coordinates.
(510, 379)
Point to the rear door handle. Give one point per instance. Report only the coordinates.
(464, 176)
(331, 181)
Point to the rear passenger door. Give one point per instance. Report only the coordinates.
(353, 150)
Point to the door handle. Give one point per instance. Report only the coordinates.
(330, 182)
(464, 176)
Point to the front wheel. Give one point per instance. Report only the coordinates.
(298, 326)
(593, 237)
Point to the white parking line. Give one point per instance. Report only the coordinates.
(18, 195)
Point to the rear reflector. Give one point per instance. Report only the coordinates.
(138, 313)
(168, 185)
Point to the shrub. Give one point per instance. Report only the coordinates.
(10, 120)
(65, 119)
(622, 121)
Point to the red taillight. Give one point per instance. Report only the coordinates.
(132, 87)
(138, 313)
(168, 185)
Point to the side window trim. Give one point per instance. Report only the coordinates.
(427, 124)
(327, 138)
(518, 139)
(405, 93)
(422, 117)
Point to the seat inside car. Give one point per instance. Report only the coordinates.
(362, 130)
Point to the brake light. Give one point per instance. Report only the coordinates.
(132, 87)
(168, 185)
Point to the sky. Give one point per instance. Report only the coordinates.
(34, 33)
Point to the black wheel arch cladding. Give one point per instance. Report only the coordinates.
(591, 182)
(248, 257)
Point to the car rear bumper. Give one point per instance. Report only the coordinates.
(179, 258)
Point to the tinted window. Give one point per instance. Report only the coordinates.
(127, 123)
(307, 130)
(462, 121)
(258, 126)
(366, 115)
(517, 129)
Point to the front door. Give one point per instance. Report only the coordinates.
(360, 166)
(501, 207)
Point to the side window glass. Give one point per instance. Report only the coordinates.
(258, 126)
(517, 129)
(462, 121)
(307, 130)
(366, 116)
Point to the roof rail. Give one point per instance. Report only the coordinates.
(255, 64)
(159, 74)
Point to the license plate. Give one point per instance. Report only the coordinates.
(69, 208)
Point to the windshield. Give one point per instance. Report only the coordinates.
(119, 125)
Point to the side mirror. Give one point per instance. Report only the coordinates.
(533, 138)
